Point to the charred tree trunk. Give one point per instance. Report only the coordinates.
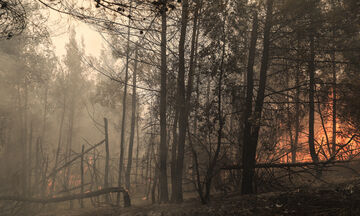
(163, 148)
(69, 146)
(137, 149)
(132, 132)
(30, 159)
(297, 114)
(193, 66)
(173, 156)
(177, 194)
(123, 117)
(37, 166)
(198, 184)
(249, 153)
(155, 184)
(248, 104)
(25, 166)
(148, 168)
(334, 115)
(59, 145)
(82, 176)
(311, 71)
(211, 168)
(107, 158)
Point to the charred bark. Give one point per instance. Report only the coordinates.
(250, 147)
(163, 148)
(248, 103)
(107, 158)
(311, 71)
(123, 116)
(132, 127)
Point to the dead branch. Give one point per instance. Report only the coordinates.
(63, 198)
(74, 159)
(287, 165)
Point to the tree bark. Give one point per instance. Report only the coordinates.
(25, 166)
(137, 149)
(297, 114)
(311, 71)
(155, 183)
(30, 159)
(37, 166)
(67, 172)
(82, 176)
(334, 115)
(132, 132)
(248, 104)
(107, 157)
(59, 145)
(41, 140)
(181, 106)
(211, 168)
(163, 148)
(122, 136)
(173, 156)
(250, 154)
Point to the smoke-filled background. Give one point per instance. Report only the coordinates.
(109, 104)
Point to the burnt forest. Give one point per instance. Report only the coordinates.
(179, 107)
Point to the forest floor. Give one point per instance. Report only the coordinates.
(340, 198)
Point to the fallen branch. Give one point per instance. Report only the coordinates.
(64, 198)
(72, 189)
(74, 159)
(287, 165)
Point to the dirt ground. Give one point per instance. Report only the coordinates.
(342, 199)
(337, 193)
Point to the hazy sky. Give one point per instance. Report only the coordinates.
(59, 27)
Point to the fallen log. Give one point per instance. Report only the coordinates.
(287, 165)
(72, 189)
(64, 198)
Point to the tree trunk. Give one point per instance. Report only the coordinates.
(65, 198)
(184, 100)
(122, 137)
(107, 158)
(164, 197)
(132, 132)
(43, 132)
(59, 145)
(37, 166)
(198, 184)
(173, 156)
(249, 155)
(137, 149)
(181, 104)
(311, 71)
(155, 183)
(69, 146)
(193, 66)
(25, 166)
(297, 115)
(211, 168)
(30, 158)
(333, 58)
(82, 176)
(248, 104)
(148, 167)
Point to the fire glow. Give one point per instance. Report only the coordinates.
(345, 147)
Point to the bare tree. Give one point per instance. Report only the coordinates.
(251, 138)
(163, 148)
